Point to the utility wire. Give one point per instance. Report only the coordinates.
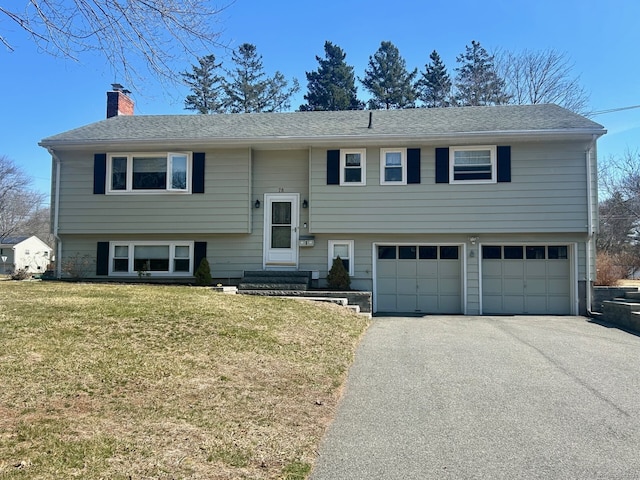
(611, 110)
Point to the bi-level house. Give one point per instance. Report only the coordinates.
(478, 210)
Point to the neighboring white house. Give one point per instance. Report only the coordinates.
(29, 253)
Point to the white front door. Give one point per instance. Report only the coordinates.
(281, 230)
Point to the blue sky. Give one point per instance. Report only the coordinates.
(43, 95)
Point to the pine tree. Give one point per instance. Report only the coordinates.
(434, 87)
(477, 82)
(332, 86)
(338, 277)
(388, 80)
(249, 90)
(205, 85)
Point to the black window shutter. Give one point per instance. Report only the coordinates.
(504, 163)
(99, 173)
(199, 252)
(333, 167)
(413, 165)
(197, 177)
(442, 165)
(102, 259)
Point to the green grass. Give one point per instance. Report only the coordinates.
(165, 382)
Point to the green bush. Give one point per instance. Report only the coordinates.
(338, 277)
(203, 273)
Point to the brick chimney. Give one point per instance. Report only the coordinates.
(118, 101)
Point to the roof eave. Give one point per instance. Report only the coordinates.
(323, 140)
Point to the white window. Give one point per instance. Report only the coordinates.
(393, 166)
(150, 258)
(472, 164)
(353, 167)
(149, 173)
(344, 250)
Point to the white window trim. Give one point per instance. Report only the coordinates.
(363, 166)
(350, 246)
(129, 181)
(172, 248)
(492, 149)
(403, 165)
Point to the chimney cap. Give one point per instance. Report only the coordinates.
(117, 87)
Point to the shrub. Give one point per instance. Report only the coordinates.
(608, 270)
(203, 273)
(338, 277)
(20, 274)
(78, 266)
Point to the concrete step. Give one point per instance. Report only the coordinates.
(272, 286)
(632, 296)
(276, 273)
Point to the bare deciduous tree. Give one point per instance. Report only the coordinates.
(20, 207)
(156, 31)
(544, 76)
(619, 235)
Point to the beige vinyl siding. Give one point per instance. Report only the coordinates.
(223, 208)
(547, 193)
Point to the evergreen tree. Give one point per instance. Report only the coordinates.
(388, 80)
(205, 85)
(332, 86)
(248, 89)
(477, 82)
(434, 87)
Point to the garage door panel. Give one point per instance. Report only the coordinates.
(513, 286)
(428, 286)
(450, 304)
(536, 268)
(492, 286)
(427, 269)
(559, 286)
(387, 285)
(513, 304)
(513, 268)
(406, 285)
(406, 303)
(558, 268)
(407, 269)
(537, 305)
(492, 268)
(449, 286)
(428, 303)
(387, 303)
(387, 268)
(536, 286)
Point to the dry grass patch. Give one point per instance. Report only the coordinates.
(161, 382)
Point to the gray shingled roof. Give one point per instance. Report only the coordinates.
(343, 124)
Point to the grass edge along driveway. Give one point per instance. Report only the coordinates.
(165, 382)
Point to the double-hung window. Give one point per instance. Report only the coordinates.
(472, 164)
(393, 166)
(151, 258)
(145, 173)
(344, 250)
(353, 167)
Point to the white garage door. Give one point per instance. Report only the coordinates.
(523, 279)
(419, 278)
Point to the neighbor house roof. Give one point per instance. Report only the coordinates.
(12, 240)
(310, 127)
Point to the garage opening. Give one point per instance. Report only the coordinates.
(419, 278)
(526, 279)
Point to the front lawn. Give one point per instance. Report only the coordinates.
(163, 382)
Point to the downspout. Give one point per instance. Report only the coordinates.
(56, 210)
(590, 225)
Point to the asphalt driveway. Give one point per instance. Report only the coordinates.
(488, 398)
